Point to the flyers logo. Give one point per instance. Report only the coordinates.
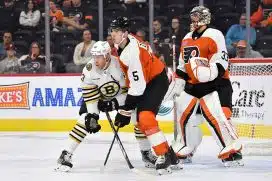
(189, 52)
(14, 96)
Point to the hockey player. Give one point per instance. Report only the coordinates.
(101, 74)
(204, 67)
(148, 83)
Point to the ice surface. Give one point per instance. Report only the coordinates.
(27, 156)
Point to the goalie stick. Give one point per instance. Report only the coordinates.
(174, 98)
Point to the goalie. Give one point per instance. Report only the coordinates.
(204, 68)
(101, 75)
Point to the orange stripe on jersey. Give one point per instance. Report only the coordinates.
(227, 112)
(151, 65)
(212, 121)
(185, 117)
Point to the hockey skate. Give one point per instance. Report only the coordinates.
(165, 163)
(64, 162)
(185, 154)
(234, 160)
(185, 159)
(231, 155)
(148, 158)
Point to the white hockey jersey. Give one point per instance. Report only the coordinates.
(102, 84)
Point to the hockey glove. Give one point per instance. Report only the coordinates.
(107, 106)
(91, 123)
(123, 117)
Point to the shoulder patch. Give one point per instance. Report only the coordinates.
(89, 66)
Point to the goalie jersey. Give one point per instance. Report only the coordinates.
(102, 84)
(209, 44)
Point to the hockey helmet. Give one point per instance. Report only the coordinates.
(120, 23)
(101, 48)
(204, 17)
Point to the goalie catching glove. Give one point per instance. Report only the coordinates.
(202, 70)
(91, 123)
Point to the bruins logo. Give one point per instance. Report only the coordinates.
(109, 89)
(89, 66)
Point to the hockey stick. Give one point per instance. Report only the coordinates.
(174, 98)
(108, 154)
(119, 142)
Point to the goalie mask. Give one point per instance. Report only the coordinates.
(200, 16)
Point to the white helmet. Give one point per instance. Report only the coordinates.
(101, 48)
(204, 16)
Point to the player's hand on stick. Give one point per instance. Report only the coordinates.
(108, 106)
(91, 123)
(123, 117)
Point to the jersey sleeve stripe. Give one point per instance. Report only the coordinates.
(89, 95)
(91, 100)
(90, 87)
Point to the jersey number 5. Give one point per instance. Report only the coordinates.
(135, 75)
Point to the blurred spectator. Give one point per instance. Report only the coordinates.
(113, 48)
(159, 36)
(7, 39)
(76, 12)
(9, 3)
(58, 19)
(241, 51)
(236, 33)
(9, 20)
(10, 64)
(30, 17)
(178, 32)
(141, 34)
(82, 53)
(34, 62)
(263, 16)
(56, 15)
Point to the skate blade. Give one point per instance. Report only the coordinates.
(186, 160)
(164, 171)
(178, 166)
(230, 164)
(149, 165)
(62, 168)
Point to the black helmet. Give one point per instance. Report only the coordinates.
(120, 23)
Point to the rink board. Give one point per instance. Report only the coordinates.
(51, 102)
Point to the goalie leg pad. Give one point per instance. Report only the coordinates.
(185, 110)
(214, 115)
